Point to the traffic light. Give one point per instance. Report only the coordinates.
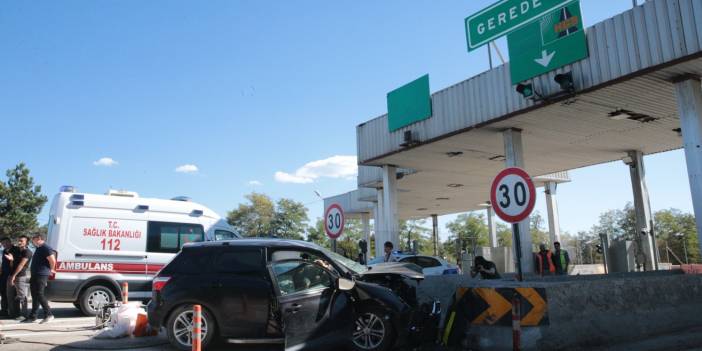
(565, 80)
(599, 249)
(527, 90)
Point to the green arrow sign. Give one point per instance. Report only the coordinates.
(505, 16)
(553, 41)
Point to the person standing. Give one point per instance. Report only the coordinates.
(387, 247)
(560, 259)
(7, 250)
(18, 283)
(544, 261)
(43, 265)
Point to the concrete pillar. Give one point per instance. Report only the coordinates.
(514, 157)
(554, 227)
(642, 207)
(492, 227)
(365, 222)
(379, 224)
(390, 216)
(435, 233)
(689, 94)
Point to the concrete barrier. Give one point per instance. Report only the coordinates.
(587, 311)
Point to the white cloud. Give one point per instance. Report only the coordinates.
(333, 167)
(106, 162)
(186, 168)
(289, 178)
(255, 183)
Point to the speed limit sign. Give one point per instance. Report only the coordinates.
(513, 195)
(334, 221)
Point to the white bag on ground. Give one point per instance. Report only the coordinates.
(122, 322)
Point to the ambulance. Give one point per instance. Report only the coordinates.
(102, 241)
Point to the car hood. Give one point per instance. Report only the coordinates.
(409, 270)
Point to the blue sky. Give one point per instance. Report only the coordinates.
(241, 90)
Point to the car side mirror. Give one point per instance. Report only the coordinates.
(344, 284)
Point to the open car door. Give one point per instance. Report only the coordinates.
(315, 314)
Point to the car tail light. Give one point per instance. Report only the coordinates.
(451, 271)
(159, 283)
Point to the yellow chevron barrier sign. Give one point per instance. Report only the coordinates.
(493, 306)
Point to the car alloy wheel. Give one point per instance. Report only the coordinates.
(183, 328)
(370, 331)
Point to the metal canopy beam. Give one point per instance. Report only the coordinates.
(392, 221)
(645, 241)
(514, 157)
(554, 229)
(689, 97)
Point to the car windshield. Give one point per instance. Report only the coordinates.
(348, 264)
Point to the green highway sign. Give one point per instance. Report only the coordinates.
(553, 41)
(409, 103)
(504, 17)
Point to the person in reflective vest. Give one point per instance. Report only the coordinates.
(543, 261)
(560, 259)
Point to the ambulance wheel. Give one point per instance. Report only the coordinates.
(94, 296)
(180, 328)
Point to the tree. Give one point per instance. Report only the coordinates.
(415, 230)
(253, 219)
(346, 244)
(536, 228)
(468, 231)
(317, 235)
(289, 220)
(617, 224)
(261, 217)
(585, 247)
(677, 230)
(20, 202)
(470, 227)
(570, 243)
(504, 235)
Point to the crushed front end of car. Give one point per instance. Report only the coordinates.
(416, 322)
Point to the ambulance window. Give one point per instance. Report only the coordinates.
(190, 233)
(170, 237)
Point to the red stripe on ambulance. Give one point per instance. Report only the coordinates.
(106, 267)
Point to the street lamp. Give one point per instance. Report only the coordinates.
(681, 236)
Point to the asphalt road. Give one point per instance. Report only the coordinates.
(69, 331)
(72, 331)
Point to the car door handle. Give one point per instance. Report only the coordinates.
(294, 308)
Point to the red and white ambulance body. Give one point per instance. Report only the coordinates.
(105, 240)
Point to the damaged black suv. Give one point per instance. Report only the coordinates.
(291, 293)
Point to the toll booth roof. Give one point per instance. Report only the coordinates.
(624, 100)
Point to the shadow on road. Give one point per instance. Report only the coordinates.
(64, 312)
(144, 343)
